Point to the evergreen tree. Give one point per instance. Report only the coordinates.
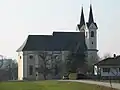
(75, 61)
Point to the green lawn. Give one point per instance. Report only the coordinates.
(48, 85)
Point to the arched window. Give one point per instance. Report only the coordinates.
(92, 42)
(20, 57)
(31, 57)
(92, 34)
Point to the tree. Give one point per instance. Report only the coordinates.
(44, 68)
(50, 63)
(56, 64)
(75, 61)
(1, 61)
(14, 70)
(91, 62)
(107, 55)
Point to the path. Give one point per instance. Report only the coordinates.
(114, 85)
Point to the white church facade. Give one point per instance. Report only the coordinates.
(56, 47)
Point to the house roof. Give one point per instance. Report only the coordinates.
(109, 62)
(59, 41)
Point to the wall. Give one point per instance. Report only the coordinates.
(20, 65)
(113, 72)
(30, 61)
(95, 70)
(91, 44)
(91, 39)
(92, 57)
(25, 61)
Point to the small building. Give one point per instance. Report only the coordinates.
(109, 67)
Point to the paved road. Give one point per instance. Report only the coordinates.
(114, 85)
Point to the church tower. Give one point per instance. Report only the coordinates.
(81, 25)
(91, 37)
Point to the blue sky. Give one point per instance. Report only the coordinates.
(19, 18)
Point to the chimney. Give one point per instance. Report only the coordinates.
(114, 55)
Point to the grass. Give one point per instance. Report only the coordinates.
(49, 85)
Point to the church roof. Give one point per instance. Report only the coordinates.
(91, 19)
(91, 15)
(59, 41)
(82, 19)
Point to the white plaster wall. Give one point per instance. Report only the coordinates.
(20, 65)
(112, 72)
(92, 39)
(28, 62)
(23, 70)
(92, 57)
(95, 70)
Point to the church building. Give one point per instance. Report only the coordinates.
(57, 46)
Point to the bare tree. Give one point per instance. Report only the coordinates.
(91, 61)
(44, 67)
(107, 55)
(1, 61)
(49, 63)
(115, 72)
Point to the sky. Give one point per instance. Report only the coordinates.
(19, 18)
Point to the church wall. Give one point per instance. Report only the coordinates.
(30, 61)
(20, 66)
(92, 57)
(36, 62)
(92, 40)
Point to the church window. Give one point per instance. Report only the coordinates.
(119, 69)
(20, 57)
(92, 42)
(30, 70)
(31, 57)
(92, 34)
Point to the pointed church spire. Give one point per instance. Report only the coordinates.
(91, 19)
(82, 20)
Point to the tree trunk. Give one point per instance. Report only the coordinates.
(45, 77)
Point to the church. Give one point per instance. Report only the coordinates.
(57, 46)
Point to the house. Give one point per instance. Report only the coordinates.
(57, 45)
(109, 67)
